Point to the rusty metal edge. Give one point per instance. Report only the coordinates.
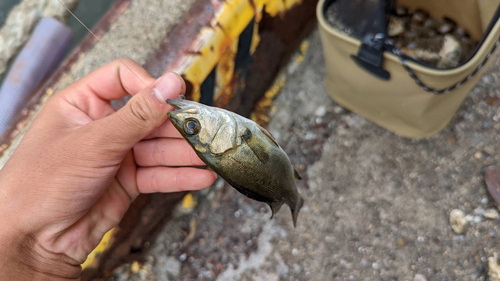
(289, 40)
(86, 44)
(181, 38)
(131, 239)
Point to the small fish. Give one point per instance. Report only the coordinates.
(243, 153)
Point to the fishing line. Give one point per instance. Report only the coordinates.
(99, 40)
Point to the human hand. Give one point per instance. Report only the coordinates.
(81, 164)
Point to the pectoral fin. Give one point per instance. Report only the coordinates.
(257, 145)
(296, 174)
(268, 135)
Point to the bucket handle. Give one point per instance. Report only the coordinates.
(426, 88)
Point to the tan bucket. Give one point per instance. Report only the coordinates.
(401, 105)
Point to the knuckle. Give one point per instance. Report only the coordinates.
(141, 110)
(154, 182)
(178, 180)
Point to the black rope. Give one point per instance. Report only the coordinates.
(426, 88)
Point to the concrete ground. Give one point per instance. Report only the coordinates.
(377, 205)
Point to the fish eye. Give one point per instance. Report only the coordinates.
(191, 127)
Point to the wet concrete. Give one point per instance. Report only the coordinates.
(377, 205)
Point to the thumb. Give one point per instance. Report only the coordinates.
(146, 111)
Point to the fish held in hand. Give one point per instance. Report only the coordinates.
(243, 153)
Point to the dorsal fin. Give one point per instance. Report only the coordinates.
(297, 175)
(268, 135)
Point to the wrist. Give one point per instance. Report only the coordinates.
(24, 258)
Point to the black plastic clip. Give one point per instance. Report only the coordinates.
(371, 55)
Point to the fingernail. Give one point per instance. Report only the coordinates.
(167, 87)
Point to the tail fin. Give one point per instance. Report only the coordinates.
(295, 209)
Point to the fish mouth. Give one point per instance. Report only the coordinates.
(177, 103)
(183, 109)
(185, 106)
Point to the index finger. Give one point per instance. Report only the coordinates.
(116, 80)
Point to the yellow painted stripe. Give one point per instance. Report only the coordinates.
(233, 19)
(215, 41)
(225, 71)
(98, 250)
(188, 202)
